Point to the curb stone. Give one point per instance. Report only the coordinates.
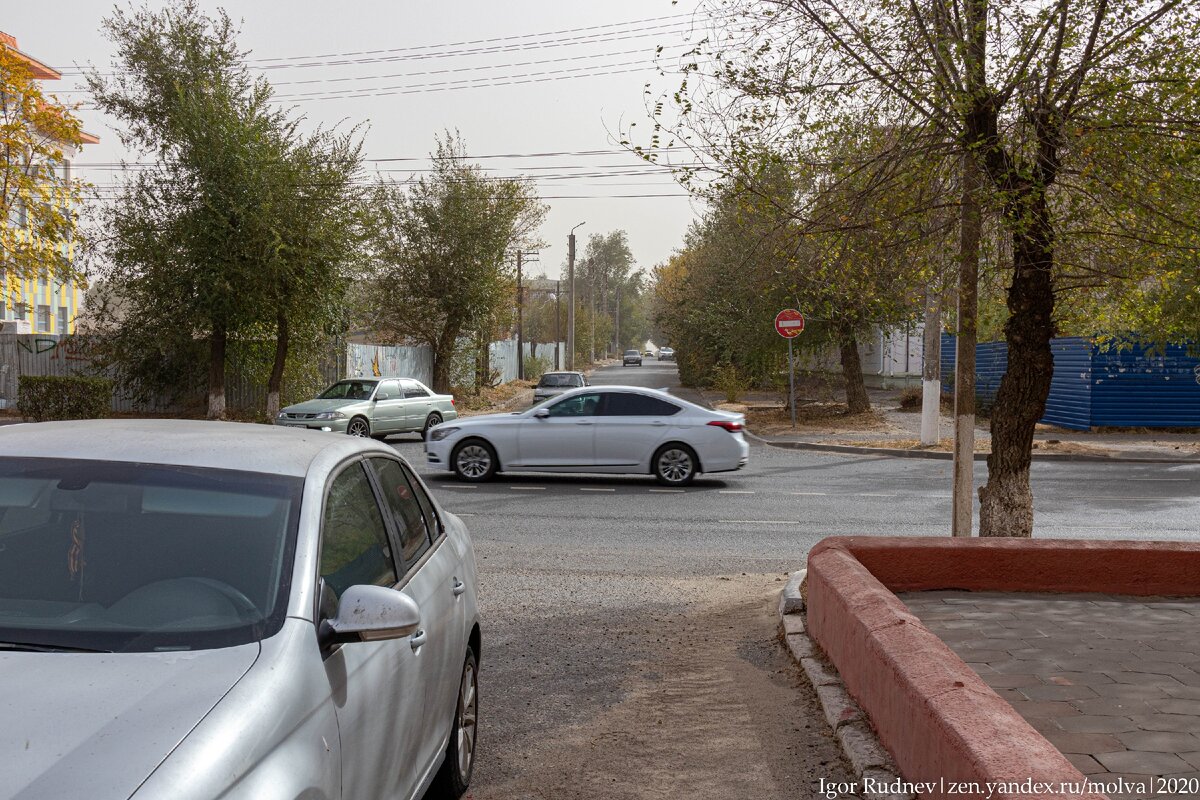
(868, 758)
(896, 452)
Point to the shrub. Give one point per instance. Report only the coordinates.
(535, 366)
(911, 397)
(49, 397)
(728, 381)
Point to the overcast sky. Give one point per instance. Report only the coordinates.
(519, 78)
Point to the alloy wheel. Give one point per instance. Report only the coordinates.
(473, 461)
(464, 725)
(675, 465)
(358, 427)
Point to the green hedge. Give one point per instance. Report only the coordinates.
(47, 397)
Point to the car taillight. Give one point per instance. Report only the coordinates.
(451, 402)
(732, 427)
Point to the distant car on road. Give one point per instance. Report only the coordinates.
(666, 354)
(375, 407)
(648, 354)
(194, 610)
(552, 384)
(608, 429)
(631, 357)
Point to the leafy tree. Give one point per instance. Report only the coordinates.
(191, 235)
(1056, 106)
(38, 236)
(440, 250)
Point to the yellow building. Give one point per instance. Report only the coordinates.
(46, 304)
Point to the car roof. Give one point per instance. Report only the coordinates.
(560, 372)
(190, 443)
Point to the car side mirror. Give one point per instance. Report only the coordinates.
(382, 396)
(371, 614)
(542, 413)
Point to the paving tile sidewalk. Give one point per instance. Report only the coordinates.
(1112, 682)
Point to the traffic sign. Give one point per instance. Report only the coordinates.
(789, 323)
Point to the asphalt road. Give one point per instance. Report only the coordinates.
(630, 647)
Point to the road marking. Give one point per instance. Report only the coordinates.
(758, 522)
(1158, 479)
(667, 491)
(456, 486)
(1115, 497)
(733, 491)
(863, 494)
(527, 488)
(594, 489)
(810, 494)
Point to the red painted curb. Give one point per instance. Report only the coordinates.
(935, 715)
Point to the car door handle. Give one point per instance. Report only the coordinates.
(659, 424)
(584, 422)
(459, 587)
(418, 639)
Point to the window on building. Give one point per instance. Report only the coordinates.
(43, 318)
(64, 320)
(18, 311)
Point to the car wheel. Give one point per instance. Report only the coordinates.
(433, 419)
(359, 427)
(454, 776)
(675, 464)
(474, 460)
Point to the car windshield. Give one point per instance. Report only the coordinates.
(111, 556)
(560, 379)
(632, 353)
(349, 390)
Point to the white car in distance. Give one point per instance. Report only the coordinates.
(599, 429)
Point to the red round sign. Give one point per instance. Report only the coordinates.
(789, 323)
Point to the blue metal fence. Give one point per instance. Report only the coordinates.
(1099, 386)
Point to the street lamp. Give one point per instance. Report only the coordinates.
(571, 297)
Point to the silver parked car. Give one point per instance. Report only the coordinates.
(552, 384)
(372, 407)
(610, 429)
(193, 610)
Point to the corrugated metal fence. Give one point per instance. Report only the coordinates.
(1099, 386)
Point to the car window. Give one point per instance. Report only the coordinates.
(580, 405)
(414, 389)
(348, 390)
(431, 519)
(406, 509)
(628, 404)
(560, 379)
(138, 557)
(354, 542)
(391, 389)
(632, 353)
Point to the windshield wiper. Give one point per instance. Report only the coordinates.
(30, 647)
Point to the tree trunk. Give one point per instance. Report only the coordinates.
(857, 400)
(1006, 502)
(216, 372)
(442, 355)
(931, 369)
(276, 379)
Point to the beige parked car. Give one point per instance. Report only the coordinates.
(375, 407)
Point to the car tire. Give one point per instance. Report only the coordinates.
(358, 426)
(474, 460)
(433, 419)
(675, 464)
(454, 777)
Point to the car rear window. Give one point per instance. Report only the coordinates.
(558, 380)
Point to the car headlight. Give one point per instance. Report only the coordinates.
(330, 415)
(436, 434)
(281, 415)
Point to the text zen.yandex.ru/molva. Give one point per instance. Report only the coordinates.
(831, 790)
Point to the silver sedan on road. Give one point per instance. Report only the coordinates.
(608, 429)
(193, 610)
(375, 407)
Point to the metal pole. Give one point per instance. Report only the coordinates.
(963, 502)
(520, 335)
(571, 298)
(791, 382)
(558, 362)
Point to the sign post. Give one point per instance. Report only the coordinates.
(789, 324)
